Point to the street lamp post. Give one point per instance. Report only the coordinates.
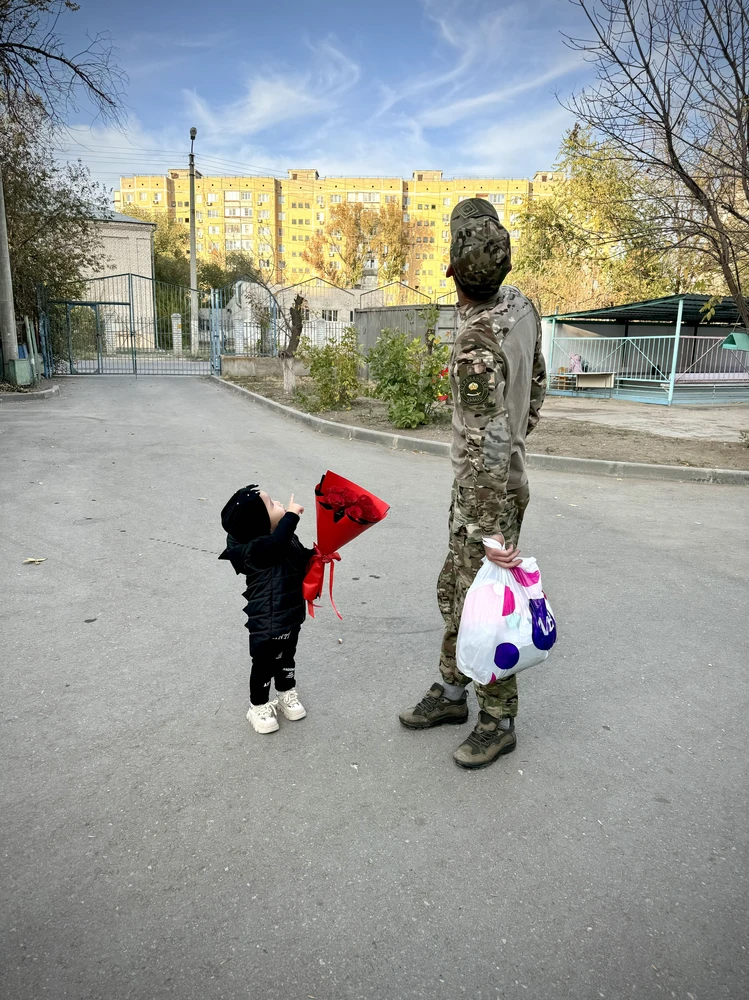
(194, 303)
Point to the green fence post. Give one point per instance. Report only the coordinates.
(675, 358)
(132, 323)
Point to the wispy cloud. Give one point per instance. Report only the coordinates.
(280, 97)
(448, 114)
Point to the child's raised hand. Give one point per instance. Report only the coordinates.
(294, 508)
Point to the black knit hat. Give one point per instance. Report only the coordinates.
(245, 516)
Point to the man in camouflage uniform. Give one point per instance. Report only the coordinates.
(498, 380)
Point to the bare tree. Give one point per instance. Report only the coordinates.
(36, 71)
(671, 98)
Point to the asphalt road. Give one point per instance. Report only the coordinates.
(153, 846)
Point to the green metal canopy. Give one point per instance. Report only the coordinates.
(663, 310)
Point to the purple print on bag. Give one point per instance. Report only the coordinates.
(506, 655)
(544, 626)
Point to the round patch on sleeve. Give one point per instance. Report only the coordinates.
(474, 389)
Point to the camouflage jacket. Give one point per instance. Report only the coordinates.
(498, 379)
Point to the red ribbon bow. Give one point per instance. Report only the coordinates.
(313, 581)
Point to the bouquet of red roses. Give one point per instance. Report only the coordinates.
(343, 511)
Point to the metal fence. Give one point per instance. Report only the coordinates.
(126, 324)
(396, 293)
(647, 360)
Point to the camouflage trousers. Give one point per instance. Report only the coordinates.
(463, 561)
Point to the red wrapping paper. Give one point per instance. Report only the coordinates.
(343, 511)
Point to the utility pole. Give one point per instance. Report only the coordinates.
(7, 309)
(194, 303)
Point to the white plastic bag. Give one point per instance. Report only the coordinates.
(507, 624)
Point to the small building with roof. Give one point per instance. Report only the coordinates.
(677, 349)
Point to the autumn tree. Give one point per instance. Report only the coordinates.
(354, 234)
(594, 240)
(671, 102)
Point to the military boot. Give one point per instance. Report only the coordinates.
(487, 742)
(435, 710)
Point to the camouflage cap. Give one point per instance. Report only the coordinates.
(480, 257)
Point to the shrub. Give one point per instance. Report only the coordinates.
(407, 375)
(334, 370)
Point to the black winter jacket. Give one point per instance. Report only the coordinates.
(275, 566)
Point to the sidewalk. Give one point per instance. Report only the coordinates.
(715, 423)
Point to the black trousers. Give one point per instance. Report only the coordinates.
(273, 661)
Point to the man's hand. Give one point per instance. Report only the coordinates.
(294, 508)
(506, 558)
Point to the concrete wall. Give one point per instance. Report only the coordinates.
(127, 249)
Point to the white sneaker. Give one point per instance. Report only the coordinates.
(262, 718)
(292, 708)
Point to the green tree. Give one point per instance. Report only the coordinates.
(50, 210)
(408, 376)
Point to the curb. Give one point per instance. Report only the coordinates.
(548, 463)
(18, 397)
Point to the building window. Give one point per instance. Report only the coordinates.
(465, 197)
(212, 213)
(211, 197)
(214, 230)
(247, 213)
(128, 198)
(368, 197)
(247, 228)
(247, 244)
(514, 216)
(144, 195)
(406, 217)
(263, 230)
(198, 199)
(199, 216)
(263, 198)
(233, 244)
(497, 199)
(330, 315)
(515, 234)
(320, 199)
(282, 248)
(198, 232)
(446, 201)
(516, 200)
(282, 199)
(231, 195)
(445, 234)
(281, 216)
(233, 228)
(335, 199)
(391, 199)
(263, 215)
(443, 283)
(157, 198)
(232, 212)
(246, 196)
(321, 216)
(199, 247)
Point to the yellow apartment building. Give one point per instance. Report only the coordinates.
(272, 219)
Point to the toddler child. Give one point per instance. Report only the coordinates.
(261, 543)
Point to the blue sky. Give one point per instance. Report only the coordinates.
(466, 86)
